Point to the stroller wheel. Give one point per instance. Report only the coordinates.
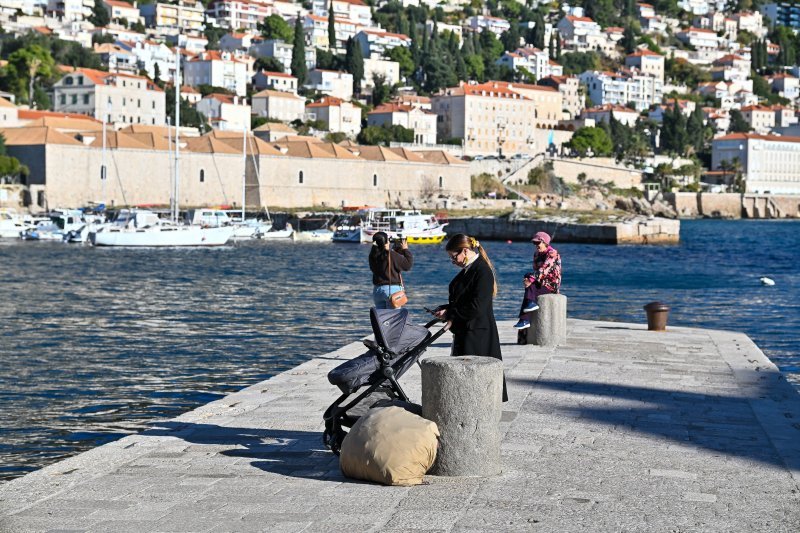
(333, 441)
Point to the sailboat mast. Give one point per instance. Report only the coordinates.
(244, 170)
(103, 160)
(177, 130)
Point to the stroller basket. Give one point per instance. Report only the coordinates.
(398, 345)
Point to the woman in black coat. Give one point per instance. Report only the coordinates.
(470, 313)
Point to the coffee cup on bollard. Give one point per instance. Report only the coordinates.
(463, 395)
(657, 314)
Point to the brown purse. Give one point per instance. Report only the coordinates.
(397, 299)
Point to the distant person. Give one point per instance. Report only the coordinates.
(545, 278)
(385, 281)
(470, 311)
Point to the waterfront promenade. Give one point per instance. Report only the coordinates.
(621, 429)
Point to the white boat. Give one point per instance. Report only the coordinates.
(61, 223)
(316, 235)
(12, 224)
(143, 228)
(412, 225)
(217, 218)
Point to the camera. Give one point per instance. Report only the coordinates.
(397, 241)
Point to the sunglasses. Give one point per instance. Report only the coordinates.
(455, 255)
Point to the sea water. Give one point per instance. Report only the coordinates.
(97, 342)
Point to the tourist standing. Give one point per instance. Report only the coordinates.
(545, 278)
(388, 280)
(469, 311)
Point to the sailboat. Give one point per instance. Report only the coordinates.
(144, 228)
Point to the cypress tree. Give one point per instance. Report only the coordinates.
(558, 45)
(552, 46)
(354, 63)
(299, 68)
(537, 35)
(331, 28)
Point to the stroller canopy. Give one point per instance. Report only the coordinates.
(394, 331)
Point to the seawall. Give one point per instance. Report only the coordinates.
(651, 231)
(619, 429)
(734, 205)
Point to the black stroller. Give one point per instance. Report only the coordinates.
(397, 346)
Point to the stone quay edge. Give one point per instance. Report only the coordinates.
(618, 429)
(644, 231)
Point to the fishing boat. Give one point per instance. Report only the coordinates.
(412, 225)
(12, 224)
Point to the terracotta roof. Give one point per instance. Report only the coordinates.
(65, 125)
(412, 98)
(254, 145)
(756, 108)
(408, 155)
(36, 136)
(120, 139)
(277, 74)
(391, 108)
(699, 30)
(756, 136)
(117, 3)
(605, 108)
(44, 30)
(352, 2)
(224, 98)
(32, 114)
(528, 87)
(440, 157)
(276, 126)
(186, 89)
(327, 101)
(6, 103)
(386, 33)
(493, 89)
(276, 94)
(314, 150)
(572, 18)
(376, 153)
(644, 52)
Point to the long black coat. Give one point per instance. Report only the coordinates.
(470, 308)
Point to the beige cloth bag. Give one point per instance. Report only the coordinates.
(391, 446)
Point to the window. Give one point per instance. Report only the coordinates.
(68, 81)
(62, 99)
(154, 104)
(300, 177)
(103, 172)
(441, 182)
(202, 175)
(85, 99)
(374, 180)
(80, 80)
(74, 99)
(139, 103)
(123, 101)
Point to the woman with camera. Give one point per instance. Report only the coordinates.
(386, 264)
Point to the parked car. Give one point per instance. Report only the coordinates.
(478, 158)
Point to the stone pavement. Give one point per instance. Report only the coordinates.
(621, 429)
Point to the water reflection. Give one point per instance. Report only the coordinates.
(97, 342)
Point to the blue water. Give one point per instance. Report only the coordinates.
(95, 342)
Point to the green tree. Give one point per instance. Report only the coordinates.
(629, 39)
(510, 38)
(696, 129)
(383, 135)
(299, 69)
(580, 62)
(592, 138)
(274, 27)
(403, 56)
(381, 91)
(99, 16)
(674, 136)
(30, 64)
(737, 123)
(190, 117)
(354, 63)
(213, 34)
(535, 35)
(270, 64)
(331, 27)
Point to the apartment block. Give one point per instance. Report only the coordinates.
(337, 115)
(225, 112)
(422, 122)
(278, 105)
(769, 162)
(218, 69)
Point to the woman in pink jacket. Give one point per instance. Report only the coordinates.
(545, 278)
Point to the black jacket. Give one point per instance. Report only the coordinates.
(471, 310)
(402, 261)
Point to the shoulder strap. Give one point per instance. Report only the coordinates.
(390, 265)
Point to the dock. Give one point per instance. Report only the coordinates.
(620, 429)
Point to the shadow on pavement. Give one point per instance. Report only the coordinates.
(291, 453)
(724, 424)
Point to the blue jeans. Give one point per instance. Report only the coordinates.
(381, 293)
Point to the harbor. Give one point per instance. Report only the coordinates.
(619, 429)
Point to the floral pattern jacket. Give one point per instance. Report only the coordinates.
(547, 269)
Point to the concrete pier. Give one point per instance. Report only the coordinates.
(619, 429)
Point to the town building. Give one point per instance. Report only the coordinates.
(315, 29)
(281, 51)
(782, 14)
(422, 122)
(647, 62)
(488, 118)
(548, 103)
(572, 100)
(786, 85)
(442, 27)
(376, 42)
(761, 119)
(603, 113)
(278, 81)
(413, 100)
(121, 11)
(120, 99)
(9, 114)
(336, 114)
(225, 112)
(582, 34)
(274, 131)
(623, 87)
(179, 14)
(769, 163)
(534, 61)
(731, 67)
(785, 117)
(331, 82)
(152, 57)
(495, 25)
(218, 69)
(701, 39)
(278, 105)
(116, 58)
(190, 94)
(236, 41)
(389, 70)
(353, 10)
(238, 14)
(69, 10)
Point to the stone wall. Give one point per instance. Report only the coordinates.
(71, 175)
(653, 231)
(733, 205)
(602, 169)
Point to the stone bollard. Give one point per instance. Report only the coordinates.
(549, 323)
(463, 395)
